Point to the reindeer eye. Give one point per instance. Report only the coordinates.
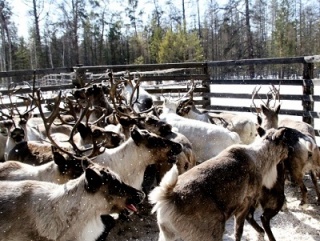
(22, 122)
(96, 133)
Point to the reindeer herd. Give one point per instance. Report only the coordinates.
(102, 151)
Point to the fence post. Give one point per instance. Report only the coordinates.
(80, 79)
(308, 89)
(206, 85)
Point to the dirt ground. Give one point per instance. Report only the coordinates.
(294, 224)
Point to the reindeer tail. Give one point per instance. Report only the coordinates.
(308, 143)
(161, 194)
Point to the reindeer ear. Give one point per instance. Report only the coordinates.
(264, 109)
(277, 109)
(136, 135)
(126, 121)
(83, 130)
(261, 132)
(259, 120)
(93, 179)
(58, 158)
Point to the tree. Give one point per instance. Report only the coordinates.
(114, 40)
(285, 30)
(156, 36)
(180, 47)
(73, 14)
(6, 43)
(21, 57)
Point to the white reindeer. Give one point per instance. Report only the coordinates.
(243, 125)
(140, 150)
(34, 210)
(207, 140)
(62, 169)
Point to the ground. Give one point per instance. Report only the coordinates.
(294, 224)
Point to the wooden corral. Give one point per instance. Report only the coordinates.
(217, 82)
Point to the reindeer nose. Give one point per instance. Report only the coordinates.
(165, 129)
(116, 139)
(176, 149)
(17, 135)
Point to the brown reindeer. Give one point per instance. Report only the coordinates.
(197, 204)
(301, 160)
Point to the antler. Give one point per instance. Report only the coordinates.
(190, 91)
(275, 94)
(48, 121)
(114, 93)
(273, 91)
(254, 93)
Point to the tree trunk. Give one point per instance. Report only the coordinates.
(249, 39)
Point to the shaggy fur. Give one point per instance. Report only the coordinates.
(38, 211)
(61, 170)
(301, 160)
(241, 124)
(207, 140)
(197, 204)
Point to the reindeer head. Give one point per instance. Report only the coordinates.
(107, 139)
(15, 121)
(185, 106)
(285, 139)
(103, 181)
(149, 122)
(267, 114)
(68, 166)
(161, 149)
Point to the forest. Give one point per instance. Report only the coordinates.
(95, 32)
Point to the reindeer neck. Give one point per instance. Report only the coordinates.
(33, 134)
(196, 114)
(72, 204)
(50, 172)
(128, 160)
(267, 157)
(42, 172)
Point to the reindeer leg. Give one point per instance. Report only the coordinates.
(315, 183)
(109, 224)
(267, 215)
(253, 223)
(240, 217)
(304, 192)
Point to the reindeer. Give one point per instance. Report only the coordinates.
(36, 153)
(196, 204)
(143, 100)
(140, 150)
(207, 140)
(74, 209)
(96, 94)
(243, 125)
(185, 160)
(62, 169)
(300, 161)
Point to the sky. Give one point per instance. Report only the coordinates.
(22, 20)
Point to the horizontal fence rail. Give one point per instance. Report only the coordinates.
(216, 82)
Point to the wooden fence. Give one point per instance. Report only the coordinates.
(173, 80)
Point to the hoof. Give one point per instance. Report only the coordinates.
(284, 207)
(261, 237)
(303, 205)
